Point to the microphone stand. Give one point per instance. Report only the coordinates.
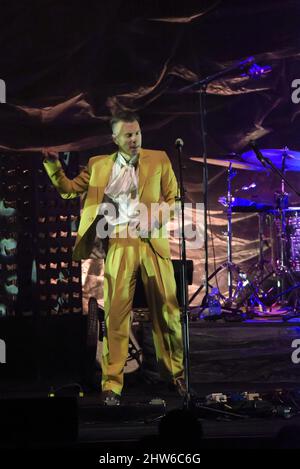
(183, 278)
(248, 67)
(202, 98)
(199, 408)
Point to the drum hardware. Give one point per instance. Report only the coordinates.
(260, 267)
(285, 242)
(283, 265)
(236, 295)
(294, 311)
(246, 291)
(280, 161)
(282, 202)
(286, 260)
(263, 269)
(245, 288)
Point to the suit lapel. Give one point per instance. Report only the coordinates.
(104, 174)
(144, 162)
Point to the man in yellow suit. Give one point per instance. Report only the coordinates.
(129, 197)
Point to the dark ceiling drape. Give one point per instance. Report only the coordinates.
(68, 65)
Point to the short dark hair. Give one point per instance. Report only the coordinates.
(124, 116)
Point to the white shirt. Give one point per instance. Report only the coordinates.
(121, 197)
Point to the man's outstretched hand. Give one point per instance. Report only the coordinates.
(50, 155)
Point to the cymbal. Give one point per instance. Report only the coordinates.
(226, 162)
(292, 161)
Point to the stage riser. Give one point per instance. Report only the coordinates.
(242, 353)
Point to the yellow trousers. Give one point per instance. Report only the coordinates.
(124, 258)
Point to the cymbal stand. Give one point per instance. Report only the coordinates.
(243, 279)
(231, 173)
(283, 270)
(282, 203)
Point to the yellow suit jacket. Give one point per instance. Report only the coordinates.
(157, 183)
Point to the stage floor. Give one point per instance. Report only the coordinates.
(135, 421)
(226, 357)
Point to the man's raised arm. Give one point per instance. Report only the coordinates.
(68, 188)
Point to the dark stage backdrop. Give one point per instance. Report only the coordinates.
(68, 65)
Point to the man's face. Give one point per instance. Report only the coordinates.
(128, 137)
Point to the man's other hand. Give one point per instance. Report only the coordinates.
(50, 155)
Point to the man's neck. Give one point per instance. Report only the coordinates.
(127, 157)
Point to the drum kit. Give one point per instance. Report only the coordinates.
(272, 287)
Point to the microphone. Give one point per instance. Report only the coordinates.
(256, 71)
(179, 143)
(258, 153)
(246, 67)
(253, 70)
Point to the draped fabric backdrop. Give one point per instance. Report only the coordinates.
(67, 66)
